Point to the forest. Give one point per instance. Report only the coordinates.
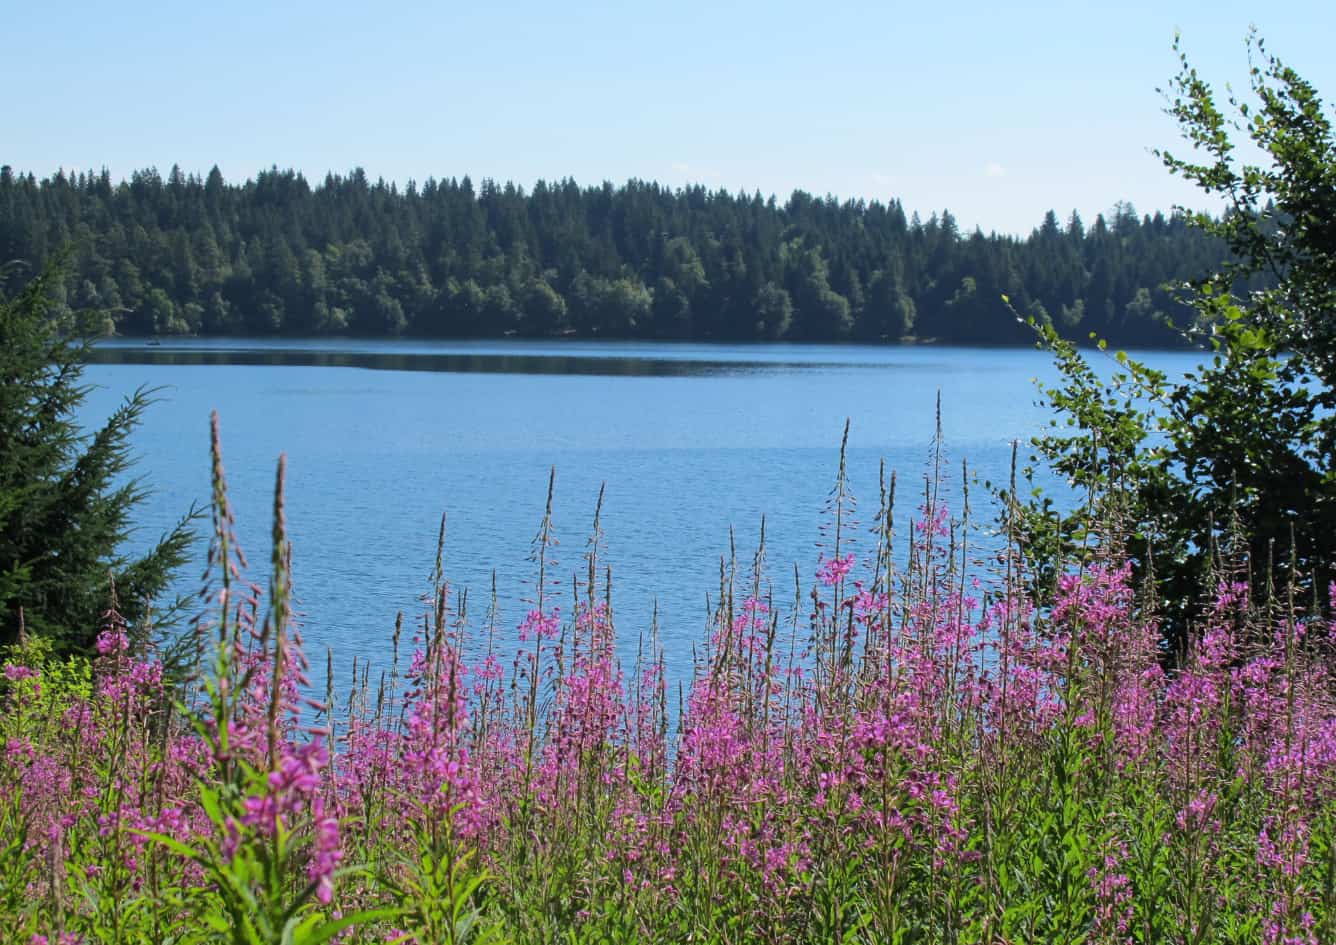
(277, 256)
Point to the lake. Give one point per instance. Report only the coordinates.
(690, 440)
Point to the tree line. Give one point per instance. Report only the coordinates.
(348, 256)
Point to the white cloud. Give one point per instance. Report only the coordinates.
(993, 169)
(697, 173)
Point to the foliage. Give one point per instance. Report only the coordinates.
(1235, 464)
(911, 756)
(347, 255)
(65, 503)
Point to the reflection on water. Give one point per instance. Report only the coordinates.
(490, 358)
(440, 363)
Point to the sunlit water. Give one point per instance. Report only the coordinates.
(690, 440)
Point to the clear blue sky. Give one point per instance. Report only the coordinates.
(997, 111)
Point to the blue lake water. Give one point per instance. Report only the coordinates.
(690, 440)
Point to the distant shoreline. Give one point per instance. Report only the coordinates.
(181, 343)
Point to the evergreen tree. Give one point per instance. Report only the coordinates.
(64, 501)
(275, 255)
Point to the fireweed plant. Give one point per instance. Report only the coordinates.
(911, 751)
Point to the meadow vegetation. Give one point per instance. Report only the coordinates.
(905, 755)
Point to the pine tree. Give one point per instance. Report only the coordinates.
(65, 502)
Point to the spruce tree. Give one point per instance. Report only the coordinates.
(65, 499)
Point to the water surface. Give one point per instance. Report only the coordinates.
(690, 440)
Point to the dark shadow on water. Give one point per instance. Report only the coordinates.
(456, 363)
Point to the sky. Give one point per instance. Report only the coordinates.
(995, 111)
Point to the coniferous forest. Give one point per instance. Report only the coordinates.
(348, 256)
